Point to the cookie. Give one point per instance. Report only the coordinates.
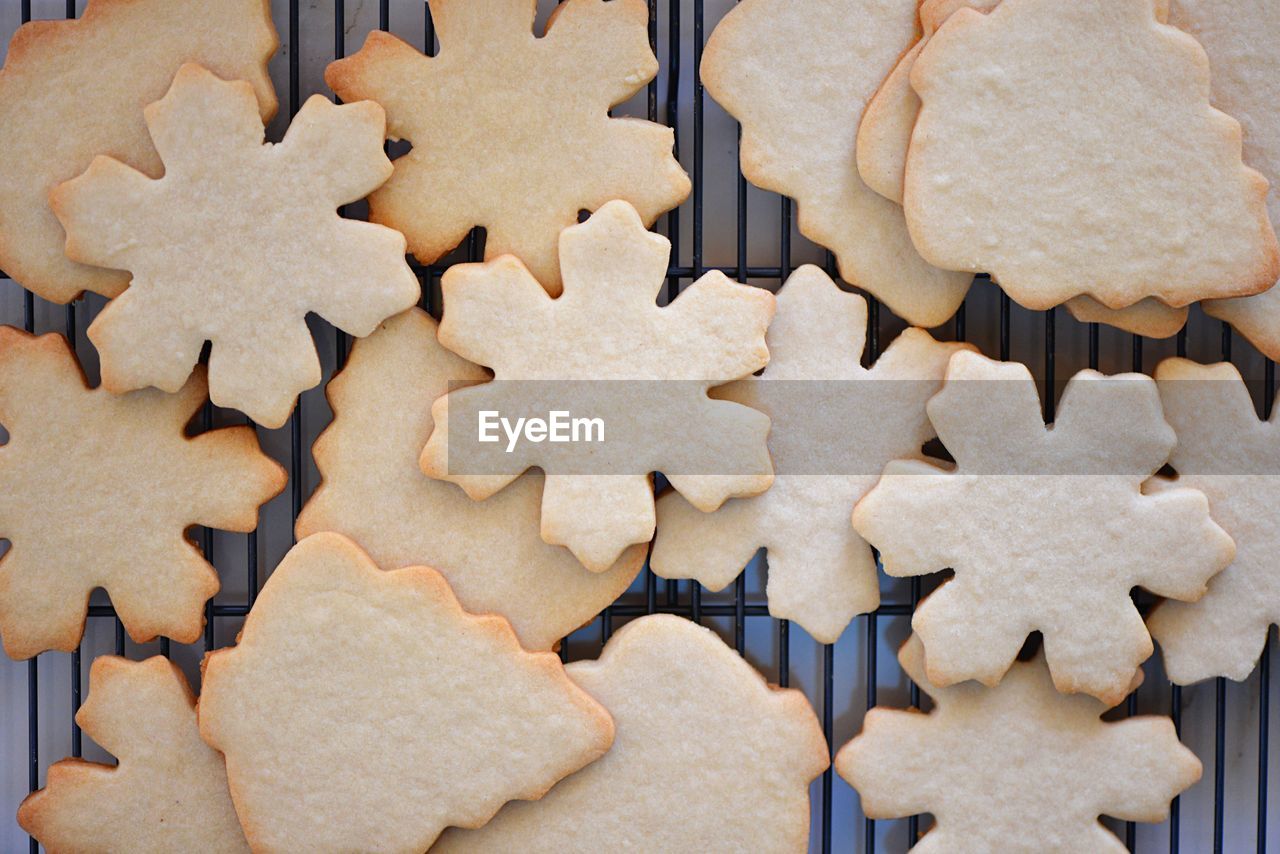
(1231, 456)
(58, 109)
(96, 490)
(512, 132)
(1153, 201)
(820, 403)
(884, 133)
(681, 699)
(1047, 529)
(1018, 767)
(169, 792)
(642, 369)
(365, 710)
(1148, 317)
(373, 491)
(1242, 38)
(236, 244)
(798, 77)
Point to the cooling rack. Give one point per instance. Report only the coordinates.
(750, 235)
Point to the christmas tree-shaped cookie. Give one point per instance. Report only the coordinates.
(364, 710)
(1147, 196)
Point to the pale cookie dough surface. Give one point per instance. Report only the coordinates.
(1242, 38)
(97, 490)
(606, 327)
(884, 133)
(236, 244)
(1148, 317)
(1225, 451)
(798, 76)
(1017, 768)
(1046, 527)
(364, 710)
(681, 700)
(374, 492)
(59, 109)
(511, 131)
(169, 792)
(1154, 200)
(821, 573)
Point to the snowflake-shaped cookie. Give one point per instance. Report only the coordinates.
(374, 492)
(651, 368)
(169, 792)
(236, 244)
(364, 710)
(1046, 528)
(71, 90)
(759, 748)
(512, 132)
(1018, 767)
(1225, 451)
(821, 573)
(97, 489)
(798, 77)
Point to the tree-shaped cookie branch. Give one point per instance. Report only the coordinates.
(97, 490)
(364, 710)
(1046, 528)
(1015, 762)
(512, 132)
(759, 748)
(798, 77)
(71, 90)
(236, 244)
(650, 369)
(374, 492)
(825, 416)
(169, 792)
(1225, 451)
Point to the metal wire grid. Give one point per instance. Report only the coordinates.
(652, 595)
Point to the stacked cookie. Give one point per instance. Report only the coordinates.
(395, 686)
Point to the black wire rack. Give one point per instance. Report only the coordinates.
(1231, 721)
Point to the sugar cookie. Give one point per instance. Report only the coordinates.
(97, 490)
(169, 792)
(1018, 767)
(374, 492)
(1234, 458)
(681, 700)
(59, 108)
(512, 132)
(1153, 200)
(365, 710)
(798, 76)
(1046, 528)
(647, 366)
(236, 244)
(821, 573)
